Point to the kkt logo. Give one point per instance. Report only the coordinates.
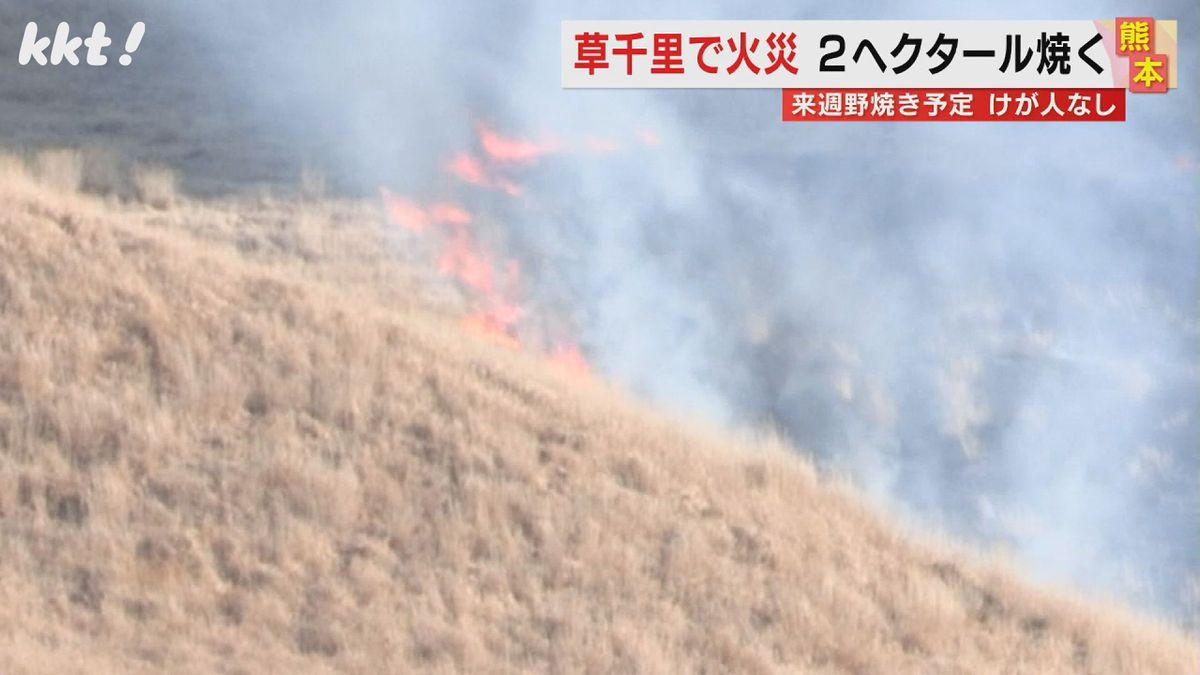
(64, 47)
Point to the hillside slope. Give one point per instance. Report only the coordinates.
(219, 455)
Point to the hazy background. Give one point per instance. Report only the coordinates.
(991, 327)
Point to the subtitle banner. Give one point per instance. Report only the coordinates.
(881, 71)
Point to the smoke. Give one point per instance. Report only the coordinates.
(989, 327)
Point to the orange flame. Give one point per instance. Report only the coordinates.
(461, 261)
(497, 315)
(511, 150)
(404, 212)
(468, 169)
(570, 359)
(490, 329)
(449, 214)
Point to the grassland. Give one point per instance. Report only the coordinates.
(247, 437)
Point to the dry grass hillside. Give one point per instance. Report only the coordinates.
(231, 440)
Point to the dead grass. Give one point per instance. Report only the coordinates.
(59, 169)
(232, 440)
(155, 186)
